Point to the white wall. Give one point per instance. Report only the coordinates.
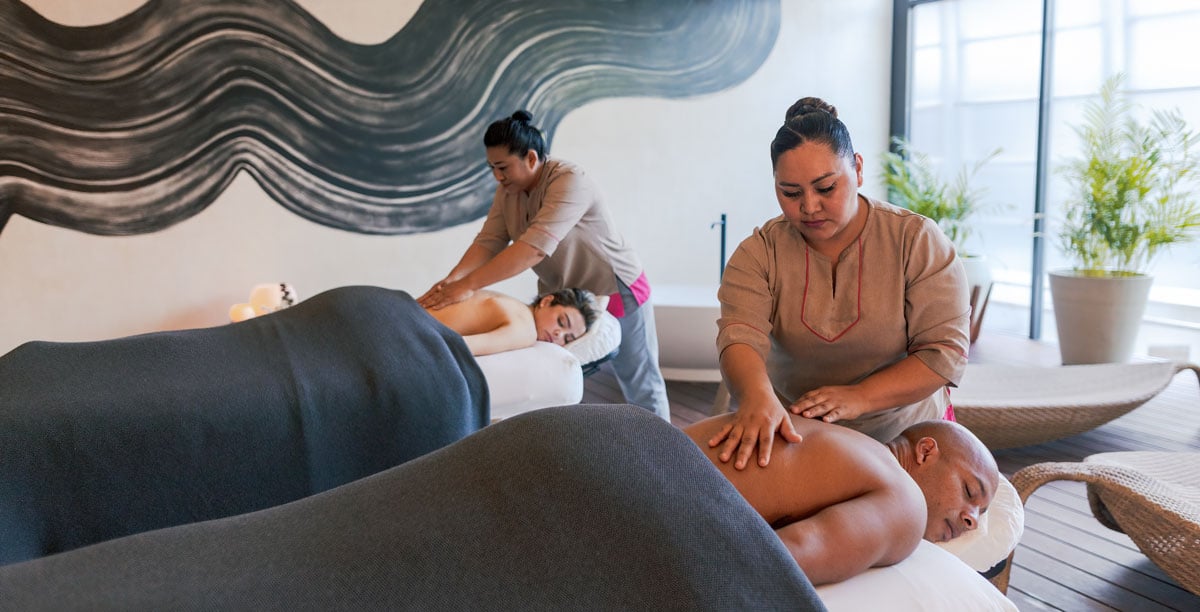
(668, 168)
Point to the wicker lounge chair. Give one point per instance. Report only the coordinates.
(1009, 406)
(1154, 497)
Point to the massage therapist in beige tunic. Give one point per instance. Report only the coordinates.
(843, 308)
(548, 215)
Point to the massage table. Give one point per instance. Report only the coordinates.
(546, 374)
(596, 507)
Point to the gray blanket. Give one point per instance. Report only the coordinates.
(579, 507)
(103, 439)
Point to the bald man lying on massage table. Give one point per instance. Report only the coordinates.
(841, 502)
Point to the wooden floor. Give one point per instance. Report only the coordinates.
(1066, 560)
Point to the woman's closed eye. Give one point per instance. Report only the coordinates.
(564, 323)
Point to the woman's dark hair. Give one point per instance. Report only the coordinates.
(581, 299)
(516, 133)
(811, 120)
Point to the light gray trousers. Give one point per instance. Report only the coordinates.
(636, 363)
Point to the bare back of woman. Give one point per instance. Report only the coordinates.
(490, 322)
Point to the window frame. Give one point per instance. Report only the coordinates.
(899, 115)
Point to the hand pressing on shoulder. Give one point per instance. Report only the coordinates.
(753, 428)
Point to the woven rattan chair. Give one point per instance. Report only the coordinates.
(1009, 406)
(1154, 497)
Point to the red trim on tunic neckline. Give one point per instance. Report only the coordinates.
(857, 298)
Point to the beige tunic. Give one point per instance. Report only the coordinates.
(900, 291)
(564, 217)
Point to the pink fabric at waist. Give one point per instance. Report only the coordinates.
(641, 292)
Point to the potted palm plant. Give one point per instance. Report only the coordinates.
(913, 182)
(1131, 193)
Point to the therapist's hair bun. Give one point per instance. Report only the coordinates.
(804, 106)
(811, 120)
(517, 133)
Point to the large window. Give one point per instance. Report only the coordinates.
(975, 71)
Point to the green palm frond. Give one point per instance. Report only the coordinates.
(1133, 190)
(913, 183)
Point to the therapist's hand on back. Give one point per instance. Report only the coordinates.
(445, 293)
(832, 403)
(754, 427)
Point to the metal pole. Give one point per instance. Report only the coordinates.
(1043, 170)
(721, 272)
(898, 106)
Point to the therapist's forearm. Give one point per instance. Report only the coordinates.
(513, 260)
(905, 382)
(475, 257)
(746, 374)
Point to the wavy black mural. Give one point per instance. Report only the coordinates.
(134, 125)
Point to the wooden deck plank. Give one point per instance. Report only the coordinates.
(1026, 603)
(1040, 584)
(1115, 584)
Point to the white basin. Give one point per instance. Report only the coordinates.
(686, 319)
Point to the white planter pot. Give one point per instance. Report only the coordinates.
(1097, 317)
(979, 287)
(979, 273)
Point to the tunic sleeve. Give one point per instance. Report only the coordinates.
(936, 304)
(567, 198)
(746, 300)
(494, 235)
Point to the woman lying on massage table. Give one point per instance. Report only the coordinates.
(492, 322)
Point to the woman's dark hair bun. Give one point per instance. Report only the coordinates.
(517, 134)
(803, 106)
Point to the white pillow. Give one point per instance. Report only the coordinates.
(539, 376)
(599, 341)
(929, 580)
(999, 531)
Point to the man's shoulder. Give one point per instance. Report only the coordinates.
(843, 448)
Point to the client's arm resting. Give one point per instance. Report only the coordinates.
(508, 337)
(846, 539)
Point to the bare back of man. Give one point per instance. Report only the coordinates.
(490, 322)
(838, 500)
